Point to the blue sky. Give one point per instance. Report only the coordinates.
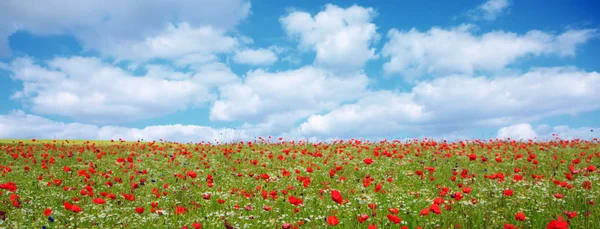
(236, 69)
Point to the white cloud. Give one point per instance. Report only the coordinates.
(460, 102)
(255, 57)
(89, 90)
(181, 41)
(19, 125)
(524, 131)
(341, 38)
(285, 96)
(106, 24)
(489, 10)
(459, 50)
(377, 113)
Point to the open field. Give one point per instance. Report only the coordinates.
(351, 184)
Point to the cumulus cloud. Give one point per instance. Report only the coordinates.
(177, 42)
(460, 50)
(341, 38)
(294, 94)
(19, 125)
(489, 10)
(105, 25)
(255, 57)
(524, 131)
(87, 89)
(455, 102)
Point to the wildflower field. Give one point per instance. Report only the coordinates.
(273, 183)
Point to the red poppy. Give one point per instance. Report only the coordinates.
(191, 174)
(67, 205)
(571, 214)
(295, 201)
(197, 225)
(47, 212)
(520, 216)
(139, 210)
(558, 224)
(435, 209)
(337, 196)
(394, 218)
(558, 196)
(362, 218)
(587, 185)
(129, 197)
(508, 192)
(368, 161)
(76, 208)
(99, 201)
(180, 210)
(332, 220)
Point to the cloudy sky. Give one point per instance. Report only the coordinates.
(235, 69)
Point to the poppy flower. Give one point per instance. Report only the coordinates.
(558, 224)
(559, 196)
(67, 205)
(129, 197)
(337, 196)
(197, 225)
(99, 201)
(332, 220)
(368, 161)
(587, 185)
(139, 210)
(508, 192)
(295, 201)
(571, 214)
(362, 218)
(180, 210)
(47, 212)
(394, 218)
(191, 174)
(76, 208)
(435, 209)
(520, 216)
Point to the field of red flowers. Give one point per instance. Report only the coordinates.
(272, 183)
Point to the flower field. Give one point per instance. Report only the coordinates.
(273, 183)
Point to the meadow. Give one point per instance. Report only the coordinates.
(274, 183)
